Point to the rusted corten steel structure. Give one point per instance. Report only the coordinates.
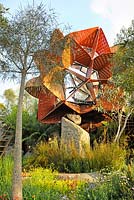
(73, 72)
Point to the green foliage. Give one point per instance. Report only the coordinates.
(115, 186)
(2, 110)
(39, 183)
(68, 159)
(123, 70)
(10, 119)
(6, 165)
(33, 130)
(121, 93)
(47, 187)
(10, 98)
(125, 40)
(28, 31)
(3, 20)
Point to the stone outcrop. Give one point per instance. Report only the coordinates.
(75, 118)
(71, 133)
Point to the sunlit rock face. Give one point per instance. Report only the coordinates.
(75, 118)
(73, 136)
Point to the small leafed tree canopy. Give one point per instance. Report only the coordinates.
(123, 76)
(28, 31)
(10, 96)
(123, 71)
(3, 20)
(121, 90)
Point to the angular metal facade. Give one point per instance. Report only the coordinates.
(72, 74)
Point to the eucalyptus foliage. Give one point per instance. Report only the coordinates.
(123, 71)
(123, 76)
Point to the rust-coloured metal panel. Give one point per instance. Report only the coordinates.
(33, 87)
(71, 72)
(46, 104)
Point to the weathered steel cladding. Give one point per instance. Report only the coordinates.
(88, 47)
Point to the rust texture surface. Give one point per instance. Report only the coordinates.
(73, 73)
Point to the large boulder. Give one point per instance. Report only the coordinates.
(71, 133)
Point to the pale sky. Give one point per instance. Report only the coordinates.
(110, 15)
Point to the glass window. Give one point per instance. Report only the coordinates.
(75, 89)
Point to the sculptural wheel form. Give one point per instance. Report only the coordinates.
(73, 74)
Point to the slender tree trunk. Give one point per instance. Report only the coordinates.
(17, 179)
(119, 126)
(121, 129)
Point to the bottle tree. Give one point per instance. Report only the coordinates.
(27, 31)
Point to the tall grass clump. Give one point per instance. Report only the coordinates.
(68, 159)
(6, 166)
(107, 155)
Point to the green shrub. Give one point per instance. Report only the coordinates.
(68, 159)
(115, 186)
(6, 166)
(43, 184)
(109, 155)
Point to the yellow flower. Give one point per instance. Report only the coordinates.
(33, 196)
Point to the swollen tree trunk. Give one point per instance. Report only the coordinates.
(17, 178)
